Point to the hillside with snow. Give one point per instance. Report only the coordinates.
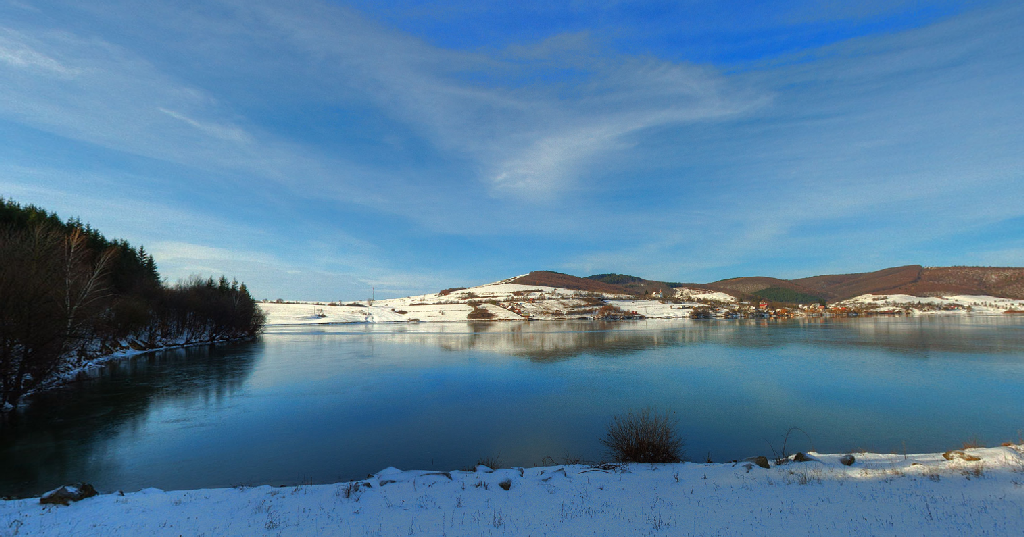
(932, 305)
(498, 301)
(511, 300)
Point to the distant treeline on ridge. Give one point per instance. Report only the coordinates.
(68, 294)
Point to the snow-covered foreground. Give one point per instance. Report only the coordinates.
(878, 495)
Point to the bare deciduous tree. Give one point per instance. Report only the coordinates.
(50, 284)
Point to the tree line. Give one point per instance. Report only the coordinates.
(68, 294)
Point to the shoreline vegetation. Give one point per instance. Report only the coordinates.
(968, 491)
(71, 299)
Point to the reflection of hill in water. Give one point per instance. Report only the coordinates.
(566, 340)
(974, 335)
(558, 340)
(555, 340)
(62, 428)
(552, 340)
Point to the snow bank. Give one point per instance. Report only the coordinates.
(878, 494)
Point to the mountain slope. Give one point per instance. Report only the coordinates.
(841, 286)
(565, 281)
(1003, 282)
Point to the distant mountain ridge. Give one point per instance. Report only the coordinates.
(1003, 282)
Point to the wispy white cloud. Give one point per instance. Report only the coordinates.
(16, 52)
(267, 274)
(176, 251)
(519, 136)
(547, 141)
(224, 132)
(309, 262)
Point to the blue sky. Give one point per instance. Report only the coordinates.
(317, 149)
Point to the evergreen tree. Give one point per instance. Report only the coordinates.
(67, 292)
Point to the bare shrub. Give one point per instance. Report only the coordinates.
(973, 443)
(479, 314)
(702, 312)
(493, 462)
(783, 458)
(571, 459)
(805, 478)
(959, 455)
(608, 310)
(644, 436)
(974, 471)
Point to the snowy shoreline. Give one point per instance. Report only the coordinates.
(72, 373)
(962, 492)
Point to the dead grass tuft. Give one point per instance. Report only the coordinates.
(973, 471)
(973, 443)
(959, 455)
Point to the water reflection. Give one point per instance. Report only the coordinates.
(329, 403)
(561, 340)
(63, 434)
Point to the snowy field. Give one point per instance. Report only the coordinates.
(924, 305)
(877, 495)
(686, 293)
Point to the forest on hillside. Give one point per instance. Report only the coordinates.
(68, 294)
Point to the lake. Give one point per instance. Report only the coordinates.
(317, 404)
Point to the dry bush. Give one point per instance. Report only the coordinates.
(479, 314)
(608, 311)
(973, 443)
(493, 462)
(974, 471)
(957, 454)
(644, 436)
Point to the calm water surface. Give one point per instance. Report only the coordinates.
(329, 403)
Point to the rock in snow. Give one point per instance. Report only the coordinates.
(68, 493)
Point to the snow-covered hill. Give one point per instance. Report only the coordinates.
(952, 304)
(499, 301)
(506, 301)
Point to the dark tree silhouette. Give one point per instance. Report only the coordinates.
(68, 294)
